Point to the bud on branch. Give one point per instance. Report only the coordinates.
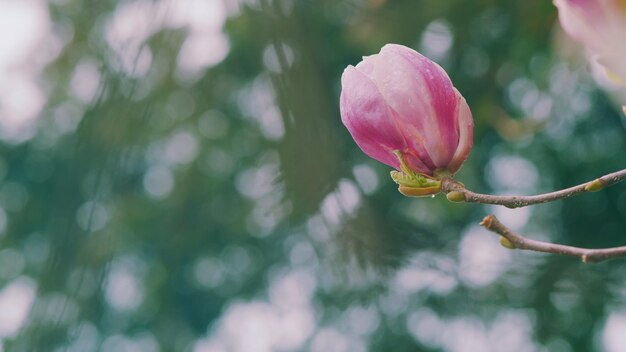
(402, 110)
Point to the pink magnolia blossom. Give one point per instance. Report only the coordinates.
(401, 108)
(600, 25)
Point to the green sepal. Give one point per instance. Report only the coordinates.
(409, 179)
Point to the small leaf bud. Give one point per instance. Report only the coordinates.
(595, 185)
(506, 243)
(456, 196)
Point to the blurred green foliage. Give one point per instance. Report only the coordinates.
(182, 205)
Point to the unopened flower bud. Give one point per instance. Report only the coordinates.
(402, 110)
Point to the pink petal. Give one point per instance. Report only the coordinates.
(581, 19)
(465, 125)
(366, 115)
(423, 96)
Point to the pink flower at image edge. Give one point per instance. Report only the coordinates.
(600, 25)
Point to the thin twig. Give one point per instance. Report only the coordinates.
(511, 240)
(450, 185)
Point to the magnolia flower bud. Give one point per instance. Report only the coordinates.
(600, 25)
(402, 110)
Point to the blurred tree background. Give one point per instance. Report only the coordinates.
(174, 176)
